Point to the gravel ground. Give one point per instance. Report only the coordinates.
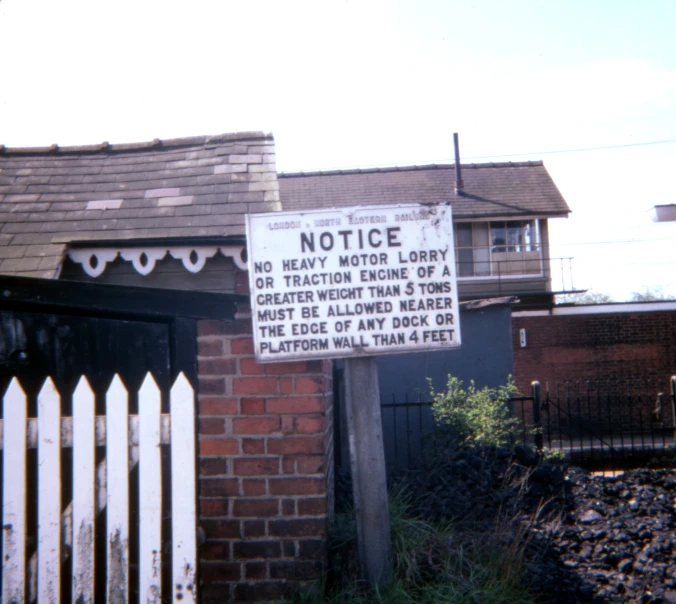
(615, 539)
(588, 538)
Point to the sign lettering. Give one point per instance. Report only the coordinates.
(352, 281)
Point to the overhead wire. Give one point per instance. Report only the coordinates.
(650, 263)
(499, 155)
(552, 152)
(619, 241)
(579, 149)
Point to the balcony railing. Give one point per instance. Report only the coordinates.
(518, 265)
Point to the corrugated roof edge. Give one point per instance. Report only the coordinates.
(509, 164)
(154, 144)
(485, 302)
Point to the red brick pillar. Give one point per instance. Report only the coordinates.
(265, 468)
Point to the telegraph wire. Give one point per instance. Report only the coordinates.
(472, 157)
(650, 263)
(604, 148)
(618, 241)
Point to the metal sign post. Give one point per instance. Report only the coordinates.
(355, 283)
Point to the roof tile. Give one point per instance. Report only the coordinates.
(104, 204)
(21, 198)
(229, 168)
(490, 190)
(47, 274)
(256, 158)
(43, 251)
(53, 262)
(13, 251)
(158, 189)
(175, 201)
(31, 239)
(19, 265)
(192, 210)
(173, 192)
(30, 207)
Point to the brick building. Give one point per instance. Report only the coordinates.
(170, 214)
(606, 364)
(632, 342)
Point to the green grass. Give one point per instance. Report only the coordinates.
(431, 563)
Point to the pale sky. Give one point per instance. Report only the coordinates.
(366, 83)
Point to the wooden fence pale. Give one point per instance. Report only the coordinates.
(103, 488)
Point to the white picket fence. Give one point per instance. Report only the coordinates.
(98, 488)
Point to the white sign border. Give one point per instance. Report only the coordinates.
(350, 352)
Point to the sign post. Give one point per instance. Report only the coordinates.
(369, 475)
(355, 283)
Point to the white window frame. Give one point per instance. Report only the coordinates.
(494, 261)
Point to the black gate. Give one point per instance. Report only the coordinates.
(65, 330)
(609, 423)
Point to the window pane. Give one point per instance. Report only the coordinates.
(482, 261)
(481, 234)
(498, 236)
(514, 236)
(463, 235)
(528, 236)
(465, 262)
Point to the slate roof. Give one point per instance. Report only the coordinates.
(187, 187)
(490, 190)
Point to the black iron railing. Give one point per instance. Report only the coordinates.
(506, 268)
(604, 424)
(609, 423)
(406, 427)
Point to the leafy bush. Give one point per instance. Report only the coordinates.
(474, 417)
(553, 456)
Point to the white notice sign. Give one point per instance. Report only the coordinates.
(352, 281)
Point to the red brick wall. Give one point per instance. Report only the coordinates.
(614, 346)
(265, 465)
(602, 371)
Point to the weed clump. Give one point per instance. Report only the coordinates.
(474, 417)
(432, 560)
(457, 528)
